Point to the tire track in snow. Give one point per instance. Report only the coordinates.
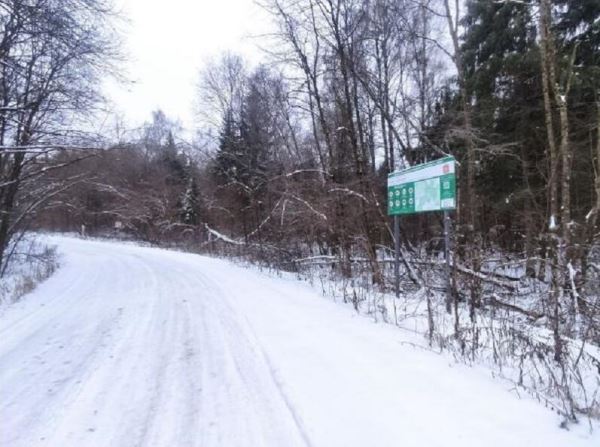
(155, 359)
(243, 323)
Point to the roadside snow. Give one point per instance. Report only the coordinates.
(31, 262)
(133, 346)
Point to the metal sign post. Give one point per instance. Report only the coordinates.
(397, 255)
(447, 258)
(426, 187)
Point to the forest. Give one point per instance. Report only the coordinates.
(287, 167)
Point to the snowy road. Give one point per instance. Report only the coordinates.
(130, 346)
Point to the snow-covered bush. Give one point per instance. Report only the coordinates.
(30, 262)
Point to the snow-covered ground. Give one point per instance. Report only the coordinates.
(134, 346)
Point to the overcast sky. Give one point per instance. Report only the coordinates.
(167, 42)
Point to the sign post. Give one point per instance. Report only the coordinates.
(425, 187)
(397, 255)
(447, 258)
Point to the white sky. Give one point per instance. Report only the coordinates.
(167, 43)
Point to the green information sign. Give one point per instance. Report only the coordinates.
(426, 187)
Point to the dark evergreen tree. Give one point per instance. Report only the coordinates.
(254, 134)
(227, 164)
(190, 203)
(502, 67)
(173, 162)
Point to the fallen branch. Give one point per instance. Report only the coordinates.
(493, 300)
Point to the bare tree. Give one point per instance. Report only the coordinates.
(52, 54)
